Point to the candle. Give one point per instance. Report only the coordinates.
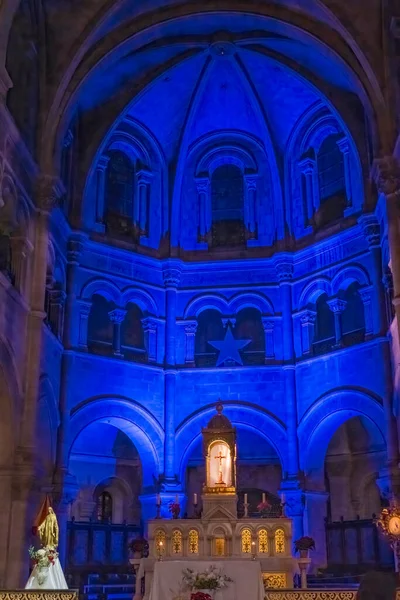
(158, 500)
(245, 498)
(176, 499)
(263, 497)
(282, 498)
(194, 498)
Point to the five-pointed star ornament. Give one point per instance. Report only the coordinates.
(229, 348)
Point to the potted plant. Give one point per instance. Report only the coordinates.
(138, 547)
(304, 545)
(264, 508)
(174, 509)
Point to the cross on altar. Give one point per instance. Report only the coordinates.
(220, 458)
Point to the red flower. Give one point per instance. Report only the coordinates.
(200, 596)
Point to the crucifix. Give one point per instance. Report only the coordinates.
(220, 458)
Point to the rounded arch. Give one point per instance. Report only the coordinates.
(250, 300)
(350, 274)
(313, 290)
(143, 299)
(241, 415)
(134, 420)
(103, 287)
(204, 302)
(324, 417)
(121, 494)
(226, 154)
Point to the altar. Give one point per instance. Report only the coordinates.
(256, 553)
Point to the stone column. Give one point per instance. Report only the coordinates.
(171, 274)
(84, 307)
(101, 170)
(268, 326)
(284, 270)
(203, 201)
(314, 526)
(150, 338)
(116, 317)
(344, 148)
(68, 494)
(190, 338)
(141, 204)
(366, 297)
(308, 169)
(371, 231)
(307, 321)
(251, 205)
(337, 306)
(293, 500)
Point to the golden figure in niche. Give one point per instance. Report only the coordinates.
(193, 541)
(279, 541)
(48, 530)
(246, 541)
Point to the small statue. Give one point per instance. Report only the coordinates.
(48, 530)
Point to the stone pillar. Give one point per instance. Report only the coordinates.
(314, 526)
(190, 338)
(284, 269)
(21, 251)
(171, 274)
(366, 297)
(84, 307)
(307, 321)
(203, 201)
(337, 306)
(293, 500)
(371, 230)
(116, 317)
(101, 170)
(69, 493)
(251, 205)
(150, 338)
(142, 203)
(269, 326)
(344, 148)
(311, 201)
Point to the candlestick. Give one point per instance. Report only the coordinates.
(158, 500)
(246, 510)
(263, 497)
(195, 499)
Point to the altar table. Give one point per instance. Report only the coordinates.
(247, 581)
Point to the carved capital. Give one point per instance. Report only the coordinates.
(371, 230)
(386, 174)
(268, 324)
(85, 306)
(284, 270)
(202, 184)
(149, 324)
(117, 315)
(308, 317)
(307, 166)
(144, 176)
(75, 248)
(337, 305)
(365, 294)
(172, 276)
(190, 327)
(251, 182)
(49, 190)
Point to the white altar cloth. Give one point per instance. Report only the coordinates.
(247, 581)
(55, 579)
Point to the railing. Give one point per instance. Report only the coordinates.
(100, 548)
(356, 546)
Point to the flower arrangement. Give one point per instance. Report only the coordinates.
(42, 559)
(210, 579)
(174, 509)
(264, 507)
(138, 546)
(304, 544)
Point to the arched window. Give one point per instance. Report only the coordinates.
(280, 542)
(132, 340)
(209, 328)
(119, 192)
(332, 187)
(324, 326)
(246, 541)
(353, 318)
(100, 328)
(249, 327)
(262, 541)
(176, 542)
(104, 507)
(227, 206)
(193, 541)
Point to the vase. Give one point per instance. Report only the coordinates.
(303, 553)
(42, 575)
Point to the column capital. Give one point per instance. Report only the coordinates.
(366, 294)
(49, 191)
(150, 323)
(75, 248)
(307, 165)
(284, 269)
(308, 316)
(144, 176)
(57, 296)
(386, 174)
(190, 327)
(267, 323)
(251, 181)
(172, 276)
(85, 307)
(337, 305)
(102, 163)
(371, 230)
(202, 184)
(117, 315)
(343, 145)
